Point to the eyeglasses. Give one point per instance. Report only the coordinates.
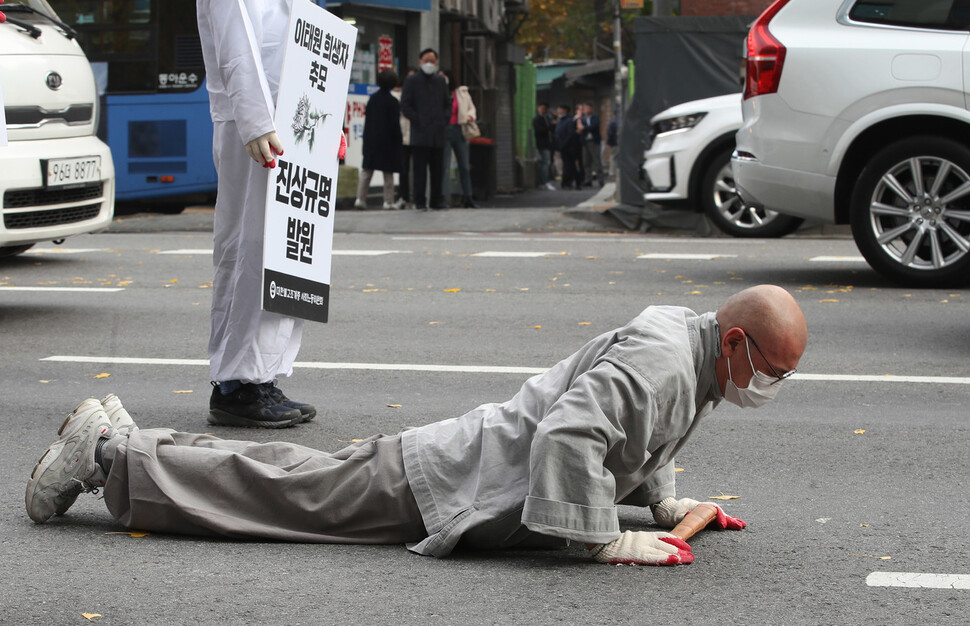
(774, 370)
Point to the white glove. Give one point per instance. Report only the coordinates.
(264, 149)
(643, 548)
(668, 512)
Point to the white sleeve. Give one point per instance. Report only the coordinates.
(237, 49)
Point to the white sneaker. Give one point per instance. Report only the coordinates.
(68, 468)
(360, 206)
(550, 187)
(389, 206)
(120, 419)
(400, 204)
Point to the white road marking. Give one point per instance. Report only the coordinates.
(368, 252)
(634, 239)
(63, 250)
(335, 252)
(498, 254)
(837, 259)
(916, 579)
(474, 369)
(75, 289)
(396, 367)
(684, 257)
(883, 378)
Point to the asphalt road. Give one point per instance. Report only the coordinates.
(827, 504)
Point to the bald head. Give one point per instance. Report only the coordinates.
(771, 316)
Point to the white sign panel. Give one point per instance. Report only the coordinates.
(300, 196)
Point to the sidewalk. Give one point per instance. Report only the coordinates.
(529, 211)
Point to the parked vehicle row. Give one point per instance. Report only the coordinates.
(853, 112)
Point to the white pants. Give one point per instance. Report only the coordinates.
(363, 186)
(245, 342)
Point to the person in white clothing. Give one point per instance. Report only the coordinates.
(243, 44)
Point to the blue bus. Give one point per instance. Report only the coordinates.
(147, 59)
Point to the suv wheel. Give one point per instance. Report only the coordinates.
(911, 212)
(724, 207)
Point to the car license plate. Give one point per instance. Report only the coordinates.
(61, 172)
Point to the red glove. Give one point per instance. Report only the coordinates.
(726, 522)
(342, 150)
(3, 18)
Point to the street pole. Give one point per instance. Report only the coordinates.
(617, 84)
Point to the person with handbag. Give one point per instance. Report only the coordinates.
(461, 127)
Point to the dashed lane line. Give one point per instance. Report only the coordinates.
(480, 369)
(917, 579)
(71, 289)
(498, 254)
(671, 256)
(837, 259)
(334, 252)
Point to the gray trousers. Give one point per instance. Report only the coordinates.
(168, 481)
(592, 162)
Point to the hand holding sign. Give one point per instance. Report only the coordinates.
(3, 18)
(264, 149)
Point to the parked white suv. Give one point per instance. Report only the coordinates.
(56, 176)
(855, 112)
(689, 163)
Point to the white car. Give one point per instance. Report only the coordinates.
(56, 176)
(855, 112)
(689, 162)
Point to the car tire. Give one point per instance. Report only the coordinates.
(911, 212)
(6, 251)
(723, 206)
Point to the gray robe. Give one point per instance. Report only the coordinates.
(600, 428)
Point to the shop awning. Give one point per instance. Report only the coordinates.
(546, 75)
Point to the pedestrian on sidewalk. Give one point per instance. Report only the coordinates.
(550, 465)
(426, 104)
(404, 200)
(543, 125)
(382, 140)
(570, 150)
(590, 132)
(463, 112)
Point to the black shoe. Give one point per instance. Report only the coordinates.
(439, 207)
(250, 406)
(468, 203)
(308, 411)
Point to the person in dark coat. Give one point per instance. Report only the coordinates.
(426, 102)
(382, 140)
(567, 142)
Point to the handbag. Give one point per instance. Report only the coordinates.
(470, 130)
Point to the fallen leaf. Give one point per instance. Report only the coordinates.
(829, 300)
(433, 323)
(174, 280)
(537, 327)
(90, 616)
(822, 520)
(678, 469)
(693, 293)
(182, 391)
(585, 323)
(456, 290)
(134, 534)
(723, 497)
(44, 381)
(861, 431)
(102, 375)
(864, 525)
(873, 556)
(394, 406)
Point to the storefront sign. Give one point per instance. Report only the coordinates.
(300, 195)
(385, 53)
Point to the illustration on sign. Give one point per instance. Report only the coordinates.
(298, 232)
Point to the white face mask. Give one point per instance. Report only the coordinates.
(429, 68)
(759, 391)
